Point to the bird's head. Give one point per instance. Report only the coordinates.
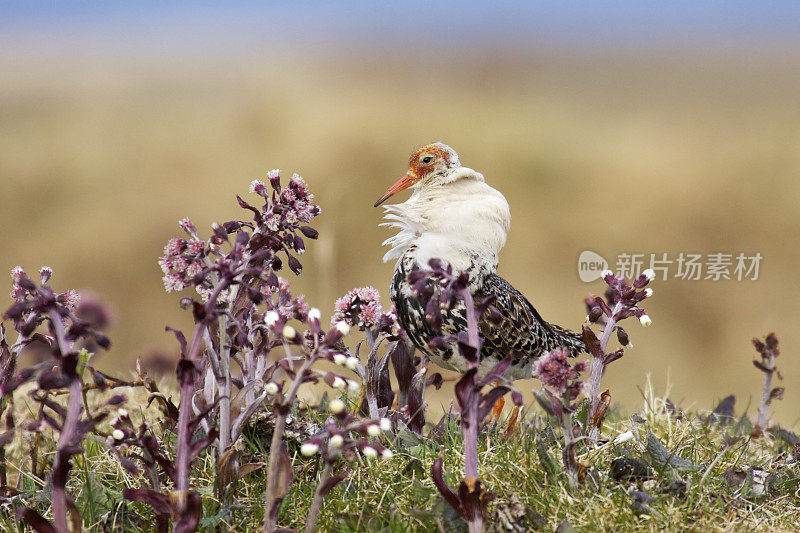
(433, 163)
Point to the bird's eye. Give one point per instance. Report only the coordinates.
(427, 159)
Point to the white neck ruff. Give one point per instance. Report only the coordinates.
(463, 222)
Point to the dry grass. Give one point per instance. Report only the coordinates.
(398, 495)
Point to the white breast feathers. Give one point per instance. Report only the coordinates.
(462, 222)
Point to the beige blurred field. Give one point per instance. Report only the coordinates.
(612, 154)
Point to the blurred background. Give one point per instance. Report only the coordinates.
(617, 127)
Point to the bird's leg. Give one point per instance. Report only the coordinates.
(511, 426)
(498, 407)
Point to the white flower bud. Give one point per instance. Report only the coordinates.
(386, 424)
(343, 328)
(338, 383)
(122, 412)
(289, 332)
(309, 448)
(336, 441)
(352, 362)
(314, 314)
(650, 274)
(623, 437)
(271, 388)
(118, 434)
(648, 292)
(605, 273)
(339, 358)
(645, 320)
(373, 430)
(337, 406)
(370, 452)
(387, 454)
(353, 386)
(271, 318)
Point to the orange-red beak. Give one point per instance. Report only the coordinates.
(403, 183)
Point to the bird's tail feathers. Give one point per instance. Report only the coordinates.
(568, 339)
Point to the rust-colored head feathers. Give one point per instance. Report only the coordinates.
(436, 158)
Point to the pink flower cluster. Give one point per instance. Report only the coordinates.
(183, 259)
(359, 307)
(22, 286)
(554, 370)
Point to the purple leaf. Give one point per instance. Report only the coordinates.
(435, 380)
(496, 373)
(613, 356)
(34, 519)
(761, 366)
(333, 481)
(190, 515)
(294, 264)
(309, 232)
(591, 342)
(444, 489)
(283, 478)
(159, 502)
(403, 364)
(181, 338)
(488, 400)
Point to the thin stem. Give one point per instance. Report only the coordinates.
(316, 503)
(766, 389)
(68, 431)
(596, 373)
(277, 439)
(182, 459)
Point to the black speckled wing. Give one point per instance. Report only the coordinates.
(517, 329)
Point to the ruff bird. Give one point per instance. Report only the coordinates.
(453, 215)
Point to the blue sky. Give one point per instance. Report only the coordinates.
(205, 27)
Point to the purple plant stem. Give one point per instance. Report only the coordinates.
(68, 432)
(182, 459)
(316, 503)
(763, 407)
(567, 454)
(277, 439)
(471, 424)
(596, 372)
(372, 401)
(183, 446)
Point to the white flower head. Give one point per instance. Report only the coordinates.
(605, 273)
(314, 314)
(373, 430)
(337, 406)
(624, 437)
(353, 386)
(645, 320)
(118, 434)
(387, 454)
(338, 383)
(339, 358)
(352, 362)
(271, 318)
(271, 388)
(336, 441)
(386, 424)
(122, 412)
(309, 448)
(289, 332)
(650, 274)
(370, 452)
(648, 292)
(343, 328)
